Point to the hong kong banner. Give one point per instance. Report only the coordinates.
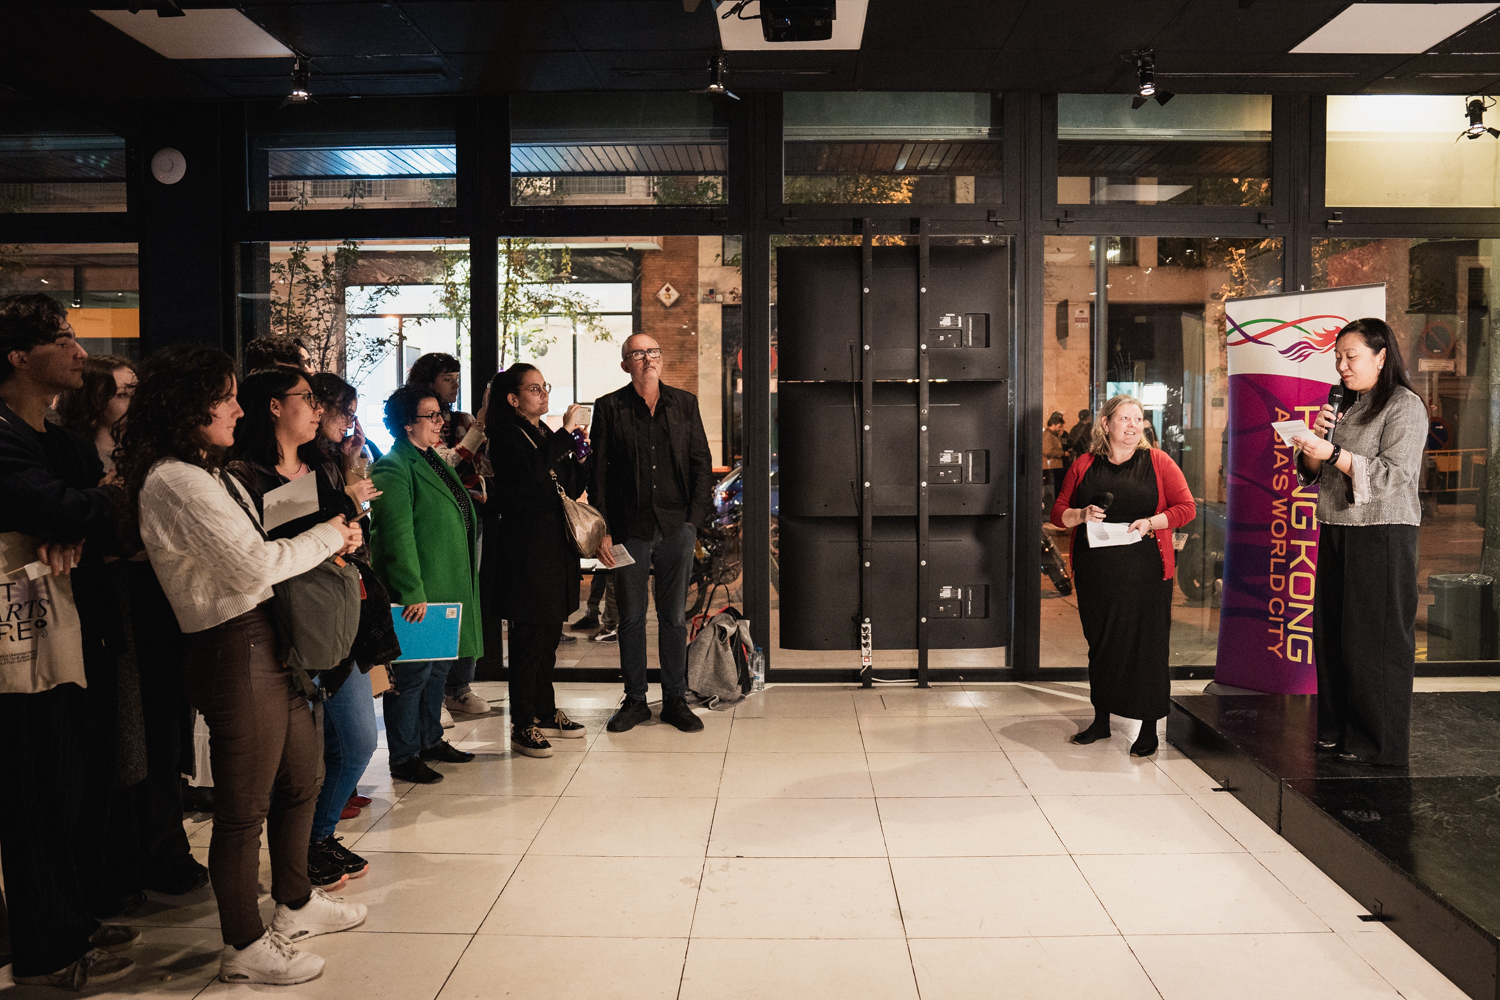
(1281, 364)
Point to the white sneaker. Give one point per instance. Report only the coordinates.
(323, 914)
(447, 718)
(469, 704)
(272, 960)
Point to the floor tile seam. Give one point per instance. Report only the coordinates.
(890, 869)
(1297, 896)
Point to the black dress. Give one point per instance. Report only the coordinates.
(1123, 602)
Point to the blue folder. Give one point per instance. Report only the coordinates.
(434, 637)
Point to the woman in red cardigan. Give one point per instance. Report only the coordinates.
(1125, 590)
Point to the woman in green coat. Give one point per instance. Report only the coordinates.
(423, 543)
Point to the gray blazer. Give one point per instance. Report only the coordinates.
(1387, 463)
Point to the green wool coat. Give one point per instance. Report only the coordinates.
(417, 539)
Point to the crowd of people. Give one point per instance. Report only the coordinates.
(161, 579)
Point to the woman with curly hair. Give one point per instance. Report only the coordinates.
(94, 409)
(199, 527)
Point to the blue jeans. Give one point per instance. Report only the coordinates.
(670, 561)
(414, 707)
(460, 676)
(348, 744)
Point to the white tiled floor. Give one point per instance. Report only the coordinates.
(826, 842)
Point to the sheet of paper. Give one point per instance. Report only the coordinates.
(1103, 535)
(1289, 429)
(621, 554)
(297, 498)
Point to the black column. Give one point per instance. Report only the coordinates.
(184, 259)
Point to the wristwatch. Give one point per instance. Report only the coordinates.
(1337, 451)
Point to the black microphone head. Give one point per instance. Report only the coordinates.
(1336, 395)
(1104, 500)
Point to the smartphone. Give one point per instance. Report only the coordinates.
(588, 413)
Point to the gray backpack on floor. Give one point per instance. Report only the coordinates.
(718, 660)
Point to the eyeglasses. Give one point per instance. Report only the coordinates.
(436, 416)
(307, 397)
(348, 415)
(651, 352)
(540, 389)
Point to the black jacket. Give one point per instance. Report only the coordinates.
(530, 569)
(614, 488)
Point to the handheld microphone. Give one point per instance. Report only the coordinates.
(1336, 399)
(1104, 500)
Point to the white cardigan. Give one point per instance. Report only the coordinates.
(211, 560)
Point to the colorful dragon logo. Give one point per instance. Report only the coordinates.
(1310, 339)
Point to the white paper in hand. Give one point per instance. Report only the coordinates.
(621, 554)
(1104, 534)
(1288, 429)
(295, 499)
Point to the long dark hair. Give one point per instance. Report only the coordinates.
(255, 434)
(82, 409)
(178, 388)
(505, 382)
(1378, 336)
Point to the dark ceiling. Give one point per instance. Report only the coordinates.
(57, 49)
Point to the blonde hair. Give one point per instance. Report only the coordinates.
(1099, 443)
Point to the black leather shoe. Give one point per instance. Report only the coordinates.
(1326, 746)
(416, 772)
(631, 713)
(675, 711)
(1354, 758)
(446, 752)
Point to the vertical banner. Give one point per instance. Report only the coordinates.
(1280, 351)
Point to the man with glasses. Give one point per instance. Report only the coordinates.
(653, 482)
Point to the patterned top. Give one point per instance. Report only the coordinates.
(459, 493)
(1386, 457)
(465, 448)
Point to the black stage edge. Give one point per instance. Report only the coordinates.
(1418, 847)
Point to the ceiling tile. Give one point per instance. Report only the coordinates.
(1091, 26)
(514, 26)
(633, 24)
(937, 25)
(348, 29)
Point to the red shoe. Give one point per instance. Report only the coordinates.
(349, 812)
(360, 800)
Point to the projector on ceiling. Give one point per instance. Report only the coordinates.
(797, 20)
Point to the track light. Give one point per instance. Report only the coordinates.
(1145, 76)
(301, 84)
(717, 69)
(1475, 108)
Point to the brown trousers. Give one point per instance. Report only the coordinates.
(266, 752)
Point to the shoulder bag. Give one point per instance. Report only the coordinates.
(585, 525)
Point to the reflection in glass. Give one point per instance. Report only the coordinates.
(618, 149)
(1403, 151)
(1438, 298)
(97, 282)
(892, 148)
(53, 167)
(1201, 149)
(361, 176)
(1163, 342)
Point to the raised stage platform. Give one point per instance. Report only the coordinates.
(1419, 847)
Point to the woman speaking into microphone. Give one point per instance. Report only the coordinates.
(1365, 455)
(1124, 577)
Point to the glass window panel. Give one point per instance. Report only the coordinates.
(97, 282)
(1438, 296)
(51, 167)
(1165, 346)
(1199, 149)
(375, 175)
(1400, 151)
(365, 309)
(618, 149)
(892, 148)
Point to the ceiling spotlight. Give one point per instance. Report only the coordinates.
(716, 70)
(1145, 75)
(301, 84)
(1476, 108)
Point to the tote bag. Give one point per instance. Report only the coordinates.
(41, 641)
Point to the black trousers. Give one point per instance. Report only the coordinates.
(1365, 638)
(43, 830)
(533, 654)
